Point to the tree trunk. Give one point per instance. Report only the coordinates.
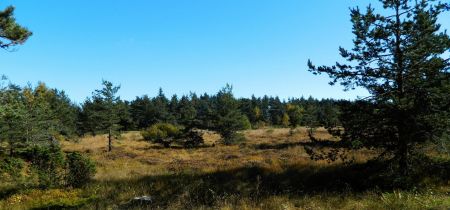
(402, 152)
(110, 140)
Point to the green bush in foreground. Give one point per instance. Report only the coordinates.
(79, 169)
(48, 163)
(51, 167)
(10, 168)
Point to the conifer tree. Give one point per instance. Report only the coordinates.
(228, 118)
(186, 112)
(11, 33)
(141, 110)
(400, 57)
(161, 108)
(102, 111)
(12, 117)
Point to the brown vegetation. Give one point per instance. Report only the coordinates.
(271, 170)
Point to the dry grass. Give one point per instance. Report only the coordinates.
(271, 170)
(136, 157)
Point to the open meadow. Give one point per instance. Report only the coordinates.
(271, 170)
(156, 133)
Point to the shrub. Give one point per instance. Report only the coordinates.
(228, 126)
(162, 133)
(228, 119)
(79, 169)
(234, 138)
(11, 167)
(48, 163)
(192, 138)
(245, 123)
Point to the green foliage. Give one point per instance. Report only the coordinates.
(52, 167)
(30, 119)
(228, 118)
(48, 163)
(234, 138)
(12, 34)
(167, 134)
(33, 116)
(11, 167)
(80, 169)
(187, 112)
(12, 118)
(285, 120)
(400, 58)
(295, 114)
(104, 112)
(163, 133)
(203, 112)
(192, 138)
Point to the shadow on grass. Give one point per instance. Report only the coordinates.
(7, 192)
(191, 190)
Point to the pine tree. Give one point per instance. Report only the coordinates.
(141, 110)
(102, 112)
(400, 59)
(228, 118)
(11, 33)
(40, 121)
(161, 108)
(125, 120)
(205, 113)
(12, 117)
(186, 112)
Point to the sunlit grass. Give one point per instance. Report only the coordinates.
(271, 170)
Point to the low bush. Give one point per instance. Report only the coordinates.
(192, 138)
(79, 169)
(10, 167)
(48, 163)
(234, 138)
(161, 133)
(52, 167)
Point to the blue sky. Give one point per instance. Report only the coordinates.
(258, 46)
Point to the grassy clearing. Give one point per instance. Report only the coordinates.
(269, 171)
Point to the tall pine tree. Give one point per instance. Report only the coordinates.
(102, 112)
(400, 57)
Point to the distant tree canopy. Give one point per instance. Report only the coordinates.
(400, 57)
(202, 112)
(11, 33)
(221, 112)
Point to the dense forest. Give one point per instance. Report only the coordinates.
(42, 108)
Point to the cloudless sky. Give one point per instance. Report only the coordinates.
(259, 46)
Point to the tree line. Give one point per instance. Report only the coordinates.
(31, 115)
(202, 111)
